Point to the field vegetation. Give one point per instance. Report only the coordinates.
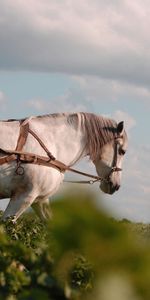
(81, 254)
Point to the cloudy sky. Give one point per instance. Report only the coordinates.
(89, 55)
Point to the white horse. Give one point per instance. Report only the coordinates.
(69, 137)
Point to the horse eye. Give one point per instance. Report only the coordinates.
(122, 151)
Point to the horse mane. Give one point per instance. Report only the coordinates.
(99, 131)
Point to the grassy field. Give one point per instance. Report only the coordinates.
(81, 254)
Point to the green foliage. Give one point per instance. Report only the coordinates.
(82, 253)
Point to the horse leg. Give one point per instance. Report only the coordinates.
(18, 204)
(42, 209)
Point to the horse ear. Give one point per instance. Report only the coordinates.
(120, 128)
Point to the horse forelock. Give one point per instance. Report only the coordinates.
(99, 131)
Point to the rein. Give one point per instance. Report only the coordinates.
(25, 157)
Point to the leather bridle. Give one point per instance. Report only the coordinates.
(114, 167)
(22, 157)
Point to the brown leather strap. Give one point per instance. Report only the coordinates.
(26, 157)
(7, 159)
(41, 143)
(24, 127)
(24, 130)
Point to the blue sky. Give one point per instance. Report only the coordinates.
(83, 56)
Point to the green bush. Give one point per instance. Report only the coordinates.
(80, 254)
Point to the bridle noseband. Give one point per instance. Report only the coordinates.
(114, 167)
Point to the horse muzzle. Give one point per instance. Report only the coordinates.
(109, 187)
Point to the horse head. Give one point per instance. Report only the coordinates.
(109, 164)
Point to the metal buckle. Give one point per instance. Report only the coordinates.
(116, 169)
(19, 170)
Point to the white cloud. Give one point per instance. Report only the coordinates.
(62, 103)
(37, 104)
(108, 39)
(123, 116)
(99, 90)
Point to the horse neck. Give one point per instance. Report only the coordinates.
(67, 141)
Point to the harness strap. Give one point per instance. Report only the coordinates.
(23, 134)
(24, 130)
(26, 157)
(41, 143)
(7, 159)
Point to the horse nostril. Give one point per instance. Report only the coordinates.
(114, 188)
(117, 187)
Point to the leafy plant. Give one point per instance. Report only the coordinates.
(82, 253)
